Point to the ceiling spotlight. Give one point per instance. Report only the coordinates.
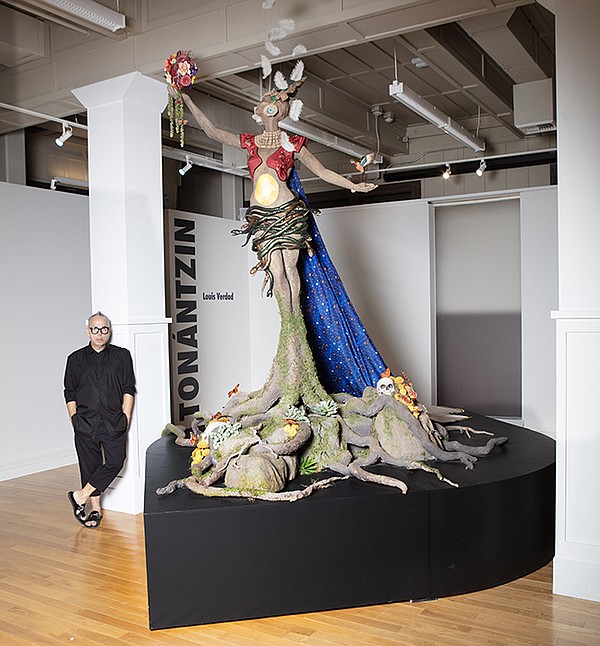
(482, 166)
(66, 134)
(447, 172)
(188, 164)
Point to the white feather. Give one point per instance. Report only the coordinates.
(276, 33)
(283, 28)
(287, 25)
(266, 66)
(295, 109)
(280, 82)
(286, 144)
(272, 49)
(299, 50)
(297, 71)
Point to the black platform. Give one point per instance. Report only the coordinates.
(354, 544)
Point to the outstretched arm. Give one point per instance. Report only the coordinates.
(330, 176)
(223, 136)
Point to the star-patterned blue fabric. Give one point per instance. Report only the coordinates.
(346, 358)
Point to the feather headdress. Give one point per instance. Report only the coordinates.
(297, 72)
(286, 144)
(295, 109)
(280, 81)
(265, 63)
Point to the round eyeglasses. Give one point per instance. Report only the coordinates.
(100, 330)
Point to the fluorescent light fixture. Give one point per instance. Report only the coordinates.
(481, 170)
(428, 111)
(447, 172)
(327, 139)
(67, 181)
(92, 12)
(201, 160)
(188, 164)
(67, 133)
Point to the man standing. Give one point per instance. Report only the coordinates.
(99, 391)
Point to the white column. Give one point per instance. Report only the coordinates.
(577, 562)
(127, 253)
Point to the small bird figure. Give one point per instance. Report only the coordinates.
(360, 165)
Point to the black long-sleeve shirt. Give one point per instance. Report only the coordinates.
(96, 382)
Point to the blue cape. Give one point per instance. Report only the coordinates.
(346, 358)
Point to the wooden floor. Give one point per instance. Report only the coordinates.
(61, 583)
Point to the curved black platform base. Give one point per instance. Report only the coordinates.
(354, 544)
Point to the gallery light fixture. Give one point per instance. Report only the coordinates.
(195, 159)
(428, 111)
(327, 139)
(67, 181)
(188, 164)
(447, 172)
(67, 133)
(92, 12)
(481, 170)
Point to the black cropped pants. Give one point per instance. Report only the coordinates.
(100, 457)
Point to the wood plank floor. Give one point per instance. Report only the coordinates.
(61, 583)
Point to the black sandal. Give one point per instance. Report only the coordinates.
(78, 510)
(94, 517)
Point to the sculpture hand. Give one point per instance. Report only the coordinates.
(173, 92)
(364, 187)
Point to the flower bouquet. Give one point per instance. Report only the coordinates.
(180, 72)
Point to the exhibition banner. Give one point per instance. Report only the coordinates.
(207, 300)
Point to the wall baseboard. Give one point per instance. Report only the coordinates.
(8, 472)
(577, 579)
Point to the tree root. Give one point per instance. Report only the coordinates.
(281, 496)
(356, 470)
(467, 430)
(429, 469)
(171, 487)
(475, 450)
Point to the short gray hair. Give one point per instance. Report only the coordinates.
(98, 313)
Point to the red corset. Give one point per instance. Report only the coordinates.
(281, 161)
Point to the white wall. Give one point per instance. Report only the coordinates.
(539, 297)
(44, 268)
(45, 295)
(383, 255)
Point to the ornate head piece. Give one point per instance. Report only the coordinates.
(284, 89)
(283, 94)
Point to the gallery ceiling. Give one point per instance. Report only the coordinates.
(466, 68)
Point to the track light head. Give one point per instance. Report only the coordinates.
(188, 164)
(482, 166)
(447, 172)
(67, 133)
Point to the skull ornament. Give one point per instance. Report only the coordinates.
(386, 386)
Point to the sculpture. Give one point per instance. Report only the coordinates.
(263, 437)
